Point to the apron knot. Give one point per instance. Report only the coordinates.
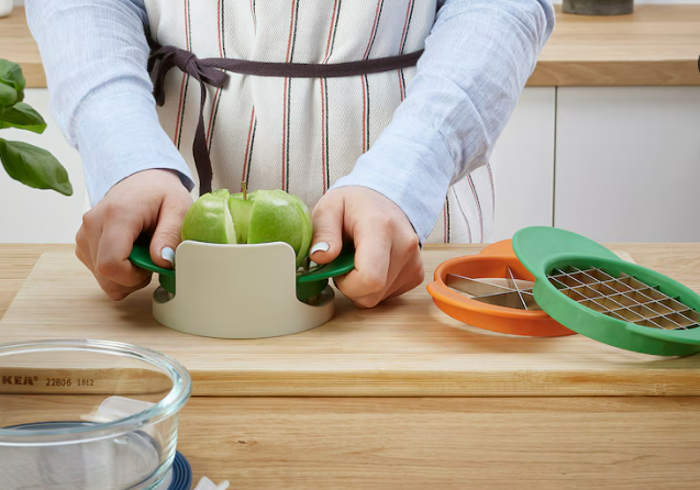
(187, 62)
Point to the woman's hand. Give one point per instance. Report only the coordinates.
(151, 200)
(387, 257)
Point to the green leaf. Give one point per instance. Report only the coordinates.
(8, 95)
(23, 116)
(11, 74)
(34, 167)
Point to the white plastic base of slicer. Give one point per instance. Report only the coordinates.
(238, 292)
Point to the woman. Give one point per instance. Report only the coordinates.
(389, 154)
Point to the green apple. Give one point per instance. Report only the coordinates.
(308, 229)
(209, 220)
(277, 217)
(240, 212)
(221, 193)
(262, 216)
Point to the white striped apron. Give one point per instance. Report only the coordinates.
(302, 134)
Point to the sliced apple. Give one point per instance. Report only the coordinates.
(241, 210)
(308, 229)
(264, 216)
(276, 218)
(209, 219)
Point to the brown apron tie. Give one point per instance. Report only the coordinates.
(208, 70)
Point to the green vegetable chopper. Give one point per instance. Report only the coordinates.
(590, 290)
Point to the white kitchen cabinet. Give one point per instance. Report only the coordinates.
(628, 163)
(42, 216)
(523, 164)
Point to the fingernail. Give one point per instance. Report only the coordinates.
(320, 247)
(168, 254)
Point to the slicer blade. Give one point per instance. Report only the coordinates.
(514, 285)
(512, 299)
(511, 296)
(474, 287)
(624, 298)
(480, 291)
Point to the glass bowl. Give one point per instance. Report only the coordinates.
(87, 415)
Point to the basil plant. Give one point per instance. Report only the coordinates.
(28, 164)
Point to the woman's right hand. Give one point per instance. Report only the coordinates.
(152, 201)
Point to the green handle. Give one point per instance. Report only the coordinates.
(309, 284)
(315, 281)
(140, 256)
(544, 245)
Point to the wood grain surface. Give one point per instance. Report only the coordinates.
(629, 443)
(446, 444)
(657, 45)
(18, 45)
(268, 443)
(405, 347)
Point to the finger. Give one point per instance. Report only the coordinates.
(166, 237)
(88, 246)
(412, 272)
(411, 282)
(328, 229)
(403, 283)
(405, 270)
(82, 248)
(115, 244)
(88, 231)
(90, 238)
(372, 260)
(118, 292)
(396, 279)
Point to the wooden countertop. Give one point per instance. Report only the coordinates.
(658, 45)
(368, 443)
(405, 347)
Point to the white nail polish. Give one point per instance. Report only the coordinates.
(320, 247)
(168, 254)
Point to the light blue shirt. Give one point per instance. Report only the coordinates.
(477, 58)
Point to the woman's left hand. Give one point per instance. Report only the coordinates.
(387, 253)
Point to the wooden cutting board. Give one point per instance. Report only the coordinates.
(406, 347)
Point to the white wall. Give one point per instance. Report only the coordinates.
(42, 216)
(523, 165)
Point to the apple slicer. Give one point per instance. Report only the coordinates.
(579, 287)
(493, 291)
(242, 291)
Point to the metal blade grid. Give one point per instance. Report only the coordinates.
(512, 295)
(625, 298)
